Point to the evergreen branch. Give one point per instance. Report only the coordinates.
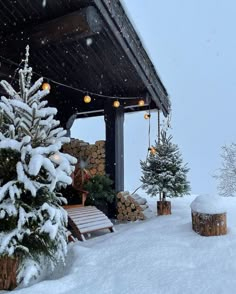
(9, 89)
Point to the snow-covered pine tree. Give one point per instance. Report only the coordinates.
(32, 168)
(163, 171)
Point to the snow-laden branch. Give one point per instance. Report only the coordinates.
(226, 175)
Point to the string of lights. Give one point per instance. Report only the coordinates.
(87, 93)
(87, 99)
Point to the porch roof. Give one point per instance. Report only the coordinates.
(86, 44)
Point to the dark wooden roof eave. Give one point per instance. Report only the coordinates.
(114, 14)
(117, 39)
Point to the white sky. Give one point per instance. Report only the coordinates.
(192, 45)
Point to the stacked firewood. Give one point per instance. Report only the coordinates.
(131, 207)
(93, 155)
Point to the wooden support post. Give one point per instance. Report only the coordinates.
(159, 127)
(114, 119)
(119, 148)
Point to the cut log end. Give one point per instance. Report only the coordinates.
(130, 208)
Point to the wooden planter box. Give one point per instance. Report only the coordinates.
(8, 269)
(209, 224)
(163, 207)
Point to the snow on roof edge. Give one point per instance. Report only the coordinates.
(139, 35)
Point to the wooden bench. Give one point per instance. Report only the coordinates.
(86, 219)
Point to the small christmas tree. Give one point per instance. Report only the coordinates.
(163, 171)
(32, 221)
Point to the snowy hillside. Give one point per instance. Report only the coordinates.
(160, 255)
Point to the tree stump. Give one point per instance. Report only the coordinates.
(8, 269)
(163, 207)
(209, 224)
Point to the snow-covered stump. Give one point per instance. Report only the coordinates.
(163, 207)
(208, 216)
(8, 270)
(209, 224)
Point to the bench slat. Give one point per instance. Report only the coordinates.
(89, 219)
(95, 228)
(93, 223)
(84, 212)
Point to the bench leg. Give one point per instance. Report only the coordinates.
(82, 237)
(112, 230)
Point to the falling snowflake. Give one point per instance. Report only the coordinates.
(89, 41)
(44, 3)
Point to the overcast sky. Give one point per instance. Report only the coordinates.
(192, 44)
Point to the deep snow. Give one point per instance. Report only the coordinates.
(208, 204)
(161, 255)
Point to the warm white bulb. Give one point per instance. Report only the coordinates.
(116, 103)
(141, 102)
(56, 158)
(87, 99)
(147, 115)
(46, 86)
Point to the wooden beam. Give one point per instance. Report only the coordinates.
(90, 113)
(79, 24)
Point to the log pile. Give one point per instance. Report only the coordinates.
(131, 207)
(92, 154)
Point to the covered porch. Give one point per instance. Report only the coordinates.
(85, 47)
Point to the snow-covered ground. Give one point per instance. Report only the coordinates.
(161, 255)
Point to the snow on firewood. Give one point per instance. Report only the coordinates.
(132, 207)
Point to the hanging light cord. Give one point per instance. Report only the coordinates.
(65, 85)
(86, 92)
(149, 129)
(149, 141)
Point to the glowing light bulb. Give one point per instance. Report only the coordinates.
(141, 102)
(87, 99)
(56, 158)
(46, 86)
(147, 115)
(152, 150)
(116, 103)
